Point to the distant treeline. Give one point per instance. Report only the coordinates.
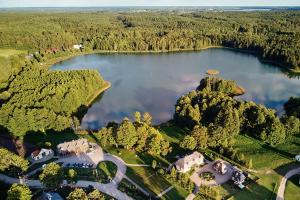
(274, 36)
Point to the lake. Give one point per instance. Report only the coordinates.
(153, 82)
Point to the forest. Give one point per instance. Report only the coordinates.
(35, 99)
(216, 117)
(273, 36)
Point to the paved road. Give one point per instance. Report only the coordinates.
(97, 156)
(281, 189)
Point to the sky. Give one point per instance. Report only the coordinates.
(100, 3)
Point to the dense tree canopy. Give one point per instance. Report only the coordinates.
(138, 135)
(19, 192)
(38, 99)
(271, 35)
(12, 162)
(77, 194)
(51, 176)
(224, 117)
(292, 107)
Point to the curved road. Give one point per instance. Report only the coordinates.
(280, 193)
(110, 188)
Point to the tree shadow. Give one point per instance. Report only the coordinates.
(283, 169)
(54, 137)
(279, 152)
(252, 191)
(6, 140)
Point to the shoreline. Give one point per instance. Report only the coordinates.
(90, 100)
(53, 61)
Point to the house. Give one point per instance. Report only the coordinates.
(74, 147)
(220, 167)
(41, 154)
(186, 163)
(78, 46)
(238, 177)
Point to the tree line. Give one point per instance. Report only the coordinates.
(271, 35)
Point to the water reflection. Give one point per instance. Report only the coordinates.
(153, 82)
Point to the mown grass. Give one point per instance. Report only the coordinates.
(10, 52)
(177, 193)
(108, 167)
(269, 164)
(147, 179)
(292, 190)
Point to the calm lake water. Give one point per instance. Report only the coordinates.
(153, 82)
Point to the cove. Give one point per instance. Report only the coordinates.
(153, 82)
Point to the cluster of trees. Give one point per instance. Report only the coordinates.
(80, 194)
(11, 163)
(271, 35)
(138, 135)
(292, 107)
(216, 84)
(38, 99)
(19, 192)
(51, 176)
(217, 118)
(181, 179)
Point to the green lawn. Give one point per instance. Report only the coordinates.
(10, 52)
(174, 135)
(269, 164)
(109, 168)
(128, 156)
(39, 165)
(177, 193)
(292, 190)
(148, 179)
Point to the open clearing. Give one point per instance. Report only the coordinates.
(10, 52)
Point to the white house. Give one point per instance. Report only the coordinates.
(41, 153)
(186, 163)
(77, 46)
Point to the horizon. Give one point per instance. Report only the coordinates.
(144, 3)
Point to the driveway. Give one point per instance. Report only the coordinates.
(93, 157)
(281, 189)
(219, 179)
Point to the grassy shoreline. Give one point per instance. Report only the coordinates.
(90, 100)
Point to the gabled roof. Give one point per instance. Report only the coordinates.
(189, 159)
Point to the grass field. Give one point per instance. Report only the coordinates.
(109, 168)
(153, 183)
(148, 179)
(292, 190)
(269, 164)
(10, 52)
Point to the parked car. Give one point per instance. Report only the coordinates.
(297, 158)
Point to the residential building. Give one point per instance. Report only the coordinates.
(220, 167)
(186, 163)
(41, 154)
(73, 147)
